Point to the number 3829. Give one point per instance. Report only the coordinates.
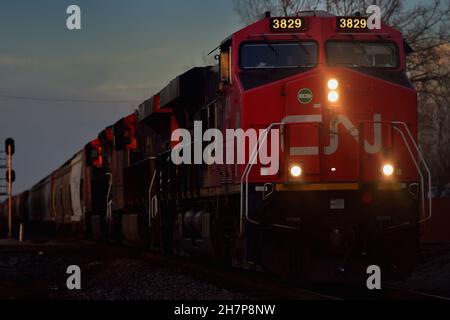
(287, 24)
(352, 23)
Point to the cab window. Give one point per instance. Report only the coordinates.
(362, 54)
(278, 55)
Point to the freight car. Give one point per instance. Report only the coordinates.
(66, 194)
(54, 204)
(40, 212)
(351, 185)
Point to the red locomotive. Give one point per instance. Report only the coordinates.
(350, 189)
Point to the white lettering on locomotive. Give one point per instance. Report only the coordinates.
(234, 144)
(334, 136)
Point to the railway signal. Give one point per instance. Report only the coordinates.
(10, 178)
(13, 176)
(10, 146)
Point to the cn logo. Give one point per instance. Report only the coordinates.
(335, 124)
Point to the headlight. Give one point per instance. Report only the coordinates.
(296, 171)
(388, 169)
(333, 84)
(333, 96)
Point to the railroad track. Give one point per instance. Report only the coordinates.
(414, 295)
(387, 292)
(261, 286)
(257, 286)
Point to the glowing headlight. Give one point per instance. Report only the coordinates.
(333, 96)
(388, 169)
(296, 171)
(333, 84)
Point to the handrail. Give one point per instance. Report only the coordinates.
(263, 138)
(252, 158)
(108, 200)
(150, 200)
(430, 208)
(245, 175)
(417, 165)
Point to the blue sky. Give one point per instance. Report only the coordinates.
(126, 50)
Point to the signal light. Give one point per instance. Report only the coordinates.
(296, 171)
(9, 146)
(13, 176)
(333, 96)
(388, 169)
(333, 84)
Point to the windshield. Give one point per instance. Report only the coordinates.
(278, 55)
(362, 54)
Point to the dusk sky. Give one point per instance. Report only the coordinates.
(126, 50)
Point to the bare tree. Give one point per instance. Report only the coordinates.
(252, 10)
(434, 112)
(425, 26)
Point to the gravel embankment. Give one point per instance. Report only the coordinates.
(107, 274)
(433, 274)
(38, 271)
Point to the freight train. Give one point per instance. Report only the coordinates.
(351, 186)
